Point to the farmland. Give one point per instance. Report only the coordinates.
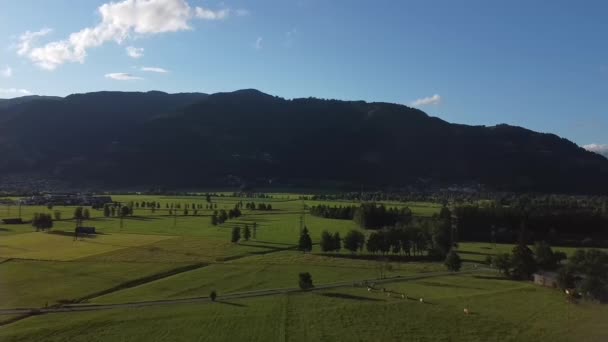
(161, 255)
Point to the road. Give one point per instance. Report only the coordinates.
(241, 295)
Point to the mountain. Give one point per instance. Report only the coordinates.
(154, 138)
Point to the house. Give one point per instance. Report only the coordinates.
(543, 278)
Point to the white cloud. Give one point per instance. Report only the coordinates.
(13, 92)
(207, 14)
(134, 52)
(119, 21)
(6, 72)
(597, 148)
(155, 69)
(426, 101)
(122, 76)
(27, 39)
(258, 43)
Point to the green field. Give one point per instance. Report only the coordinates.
(500, 311)
(156, 256)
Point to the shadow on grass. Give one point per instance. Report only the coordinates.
(474, 253)
(5, 230)
(349, 296)
(231, 303)
(71, 234)
(436, 284)
(143, 218)
(400, 258)
(273, 243)
(491, 277)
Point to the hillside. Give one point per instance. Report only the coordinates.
(154, 138)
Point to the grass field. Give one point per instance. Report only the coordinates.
(36, 283)
(154, 256)
(500, 311)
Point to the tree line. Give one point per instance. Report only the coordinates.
(366, 215)
(432, 237)
(564, 223)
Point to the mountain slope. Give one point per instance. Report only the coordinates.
(154, 138)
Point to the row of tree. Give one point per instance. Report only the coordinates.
(420, 238)
(219, 217)
(553, 220)
(366, 215)
(260, 206)
(112, 211)
(335, 212)
(244, 233)
(372, 216)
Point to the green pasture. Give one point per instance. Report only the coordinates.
(41, 283)
(40, 268)
(268, 271)
(500, 310)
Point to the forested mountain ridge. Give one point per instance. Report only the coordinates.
(154, 138)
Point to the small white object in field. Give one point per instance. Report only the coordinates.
(403, 296)
(466, 311)
(421, 300)
(388, 294)
(369, 289)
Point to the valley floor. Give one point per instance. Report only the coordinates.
(154, 256)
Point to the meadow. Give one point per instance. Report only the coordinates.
(153, 255)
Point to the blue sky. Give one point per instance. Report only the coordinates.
(538, 64)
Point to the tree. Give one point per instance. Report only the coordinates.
(255, 230)
(42, 221)
(503, 263)
(223, 216)
(78, 215)
(522, 262)
(305, 281)
(354, 241)
(327, 242)
(214, 219)
(592, 266)
(236, 235)
(305, 242)
(246, 232)
(106, 210)
(337, 242)
(57, 215)
(213, 295)
(124, 211)
(86, 214)
(452, 261)
(545, 258)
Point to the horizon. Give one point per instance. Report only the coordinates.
(470, 67)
